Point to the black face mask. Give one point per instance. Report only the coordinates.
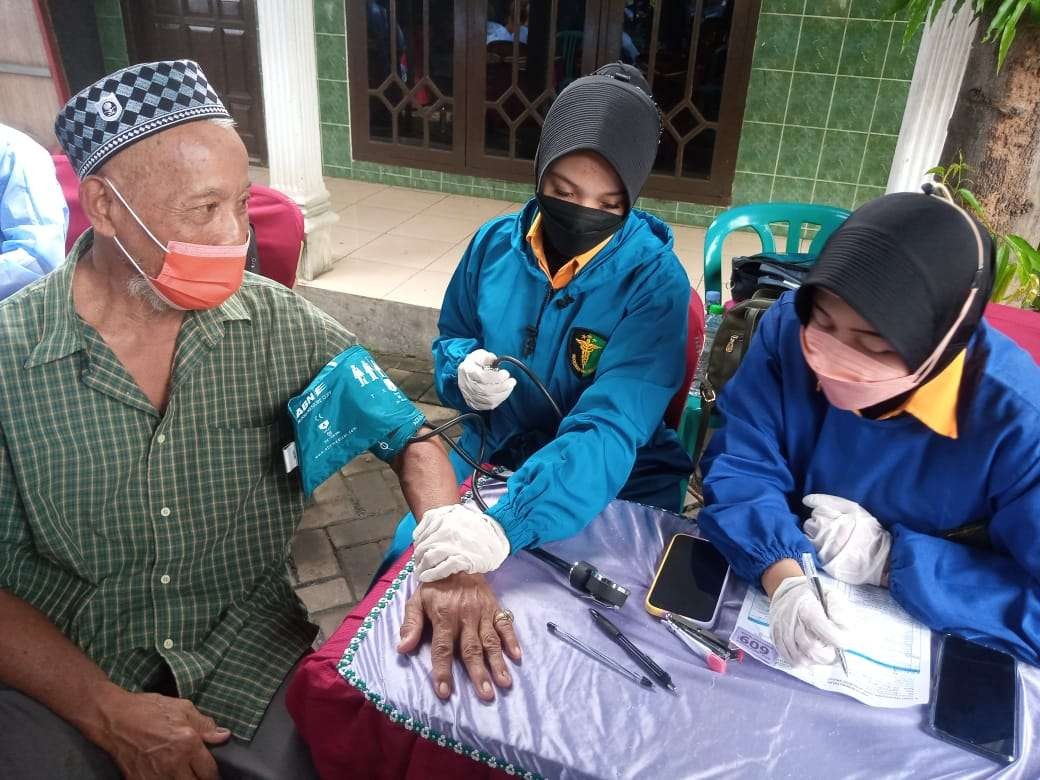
(571, 230)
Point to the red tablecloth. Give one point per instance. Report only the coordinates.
(347, 735)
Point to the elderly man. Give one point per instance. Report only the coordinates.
(148, 624)
(33, 213)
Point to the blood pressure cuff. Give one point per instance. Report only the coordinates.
(349, 407)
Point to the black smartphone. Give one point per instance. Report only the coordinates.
(690, 581)
(975, 699)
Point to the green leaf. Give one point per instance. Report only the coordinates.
(1000, 18)
(1010, 28)
(917, 12)
(938, 170)
(1005, 273)
(968, 197)
(1027, 252)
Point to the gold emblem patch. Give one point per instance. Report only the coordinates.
(584, 350)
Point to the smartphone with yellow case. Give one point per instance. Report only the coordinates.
(690, 581)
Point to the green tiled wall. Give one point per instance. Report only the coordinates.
(112, 35)
(829, 83)
(828, 87)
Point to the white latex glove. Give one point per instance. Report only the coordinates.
(850, 542)
(482, 387)
(453, 539)
(802, 633)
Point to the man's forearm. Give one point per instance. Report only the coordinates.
(38, 660)
(426, 476)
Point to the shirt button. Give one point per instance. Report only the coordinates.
(165, 511)
(161, 438)
(165, 579)
(168, 644)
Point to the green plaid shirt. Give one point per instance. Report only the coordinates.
(145, 537)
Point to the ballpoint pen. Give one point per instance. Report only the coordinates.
(809, 569)
(556, 631)
(706, 652)
(641, 658)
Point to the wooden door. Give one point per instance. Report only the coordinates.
(220, 35)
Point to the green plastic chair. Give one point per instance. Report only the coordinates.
(758, 217)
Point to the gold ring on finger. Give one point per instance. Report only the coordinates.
(503, 615)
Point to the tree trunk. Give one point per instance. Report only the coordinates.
(996, 125)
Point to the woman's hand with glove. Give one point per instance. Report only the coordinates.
(483, 388)
(850, 542)
(456, 539)
(802, 633)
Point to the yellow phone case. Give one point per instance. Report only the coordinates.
(657, 611)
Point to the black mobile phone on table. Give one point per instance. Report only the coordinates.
(690, 581)
(975, 699)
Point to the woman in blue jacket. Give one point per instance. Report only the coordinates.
(878, 399)
(588, 292)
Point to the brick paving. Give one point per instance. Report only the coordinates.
(347, 527)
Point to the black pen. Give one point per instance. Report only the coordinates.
(659, 674)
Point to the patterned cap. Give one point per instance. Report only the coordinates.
(131, 104)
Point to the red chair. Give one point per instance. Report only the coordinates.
(694, 343)
(276, 219)
(1020, 325)
(278, 225)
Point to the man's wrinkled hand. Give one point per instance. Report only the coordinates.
(153, 736)
(461, 610)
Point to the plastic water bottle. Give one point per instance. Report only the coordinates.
(712, 321)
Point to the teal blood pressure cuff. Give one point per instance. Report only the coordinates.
(349, 407)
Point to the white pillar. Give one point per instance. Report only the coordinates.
(938, 73)
(290, 83)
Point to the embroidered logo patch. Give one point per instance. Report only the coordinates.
(109, 107)
(584, 349)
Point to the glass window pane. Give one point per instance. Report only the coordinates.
(410, 65)
(681, 48)
(534, 49)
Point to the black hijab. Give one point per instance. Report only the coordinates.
(906, 263)
(610, 112)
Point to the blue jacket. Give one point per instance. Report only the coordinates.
(633, 295)
(781, 440)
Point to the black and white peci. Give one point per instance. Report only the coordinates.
(131, 104)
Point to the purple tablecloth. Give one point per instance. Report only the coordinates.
(570, 717)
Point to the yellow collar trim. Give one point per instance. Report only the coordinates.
(569, 269)
(935, 402)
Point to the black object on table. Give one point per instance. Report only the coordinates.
(641, 658)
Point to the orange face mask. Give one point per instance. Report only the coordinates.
(193, 276)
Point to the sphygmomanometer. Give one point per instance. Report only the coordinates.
(349, 407)
(352, 406)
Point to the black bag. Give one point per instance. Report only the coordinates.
(728, 348)
(767, 272)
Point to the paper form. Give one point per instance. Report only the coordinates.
(889, 653)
